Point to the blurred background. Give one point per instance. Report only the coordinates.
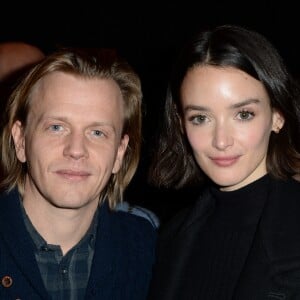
(148, 35)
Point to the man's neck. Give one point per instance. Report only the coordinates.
(63, 227)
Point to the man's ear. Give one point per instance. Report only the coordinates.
(17, 133)
(120, 154)
(278, 121)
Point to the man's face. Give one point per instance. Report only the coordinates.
(72, 142)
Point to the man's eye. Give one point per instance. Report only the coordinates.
(97, 133)
(56, 127)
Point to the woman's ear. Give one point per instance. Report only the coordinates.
(18, 136)
(278, 121)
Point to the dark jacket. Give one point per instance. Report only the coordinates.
(123, 257)
(278, 235)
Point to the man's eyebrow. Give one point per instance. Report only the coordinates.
(66, 120)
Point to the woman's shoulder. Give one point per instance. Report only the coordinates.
(195, 213)
(284, 200)
(280, 220)
(288, 189)
(280, 227)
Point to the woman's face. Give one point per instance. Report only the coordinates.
(228, 120)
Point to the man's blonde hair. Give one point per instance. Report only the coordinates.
(88, 64)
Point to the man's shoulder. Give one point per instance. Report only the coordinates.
(138, 212)
(9, 201)
(127, 229)
(126, 224)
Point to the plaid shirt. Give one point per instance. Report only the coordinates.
(65, 277)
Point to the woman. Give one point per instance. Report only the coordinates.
(231, 123)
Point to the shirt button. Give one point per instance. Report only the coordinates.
(6, 281)
(64, 271)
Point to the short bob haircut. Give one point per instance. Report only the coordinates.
(85, 64)
(173, 163)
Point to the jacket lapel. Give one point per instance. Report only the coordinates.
(106, 256)
(178, 237)
(19, 243)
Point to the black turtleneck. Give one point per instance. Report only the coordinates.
(236, 245)
(226, 240)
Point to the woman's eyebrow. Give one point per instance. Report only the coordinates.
(196, 107)
(243, 103)
(232, 106)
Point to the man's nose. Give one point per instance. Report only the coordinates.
(75, 146)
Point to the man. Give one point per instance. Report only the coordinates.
(70, 147)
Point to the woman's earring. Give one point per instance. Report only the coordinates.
(277, 130)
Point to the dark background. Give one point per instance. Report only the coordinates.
(148, 35)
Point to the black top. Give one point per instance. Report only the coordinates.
(227, 245)
(225, 238)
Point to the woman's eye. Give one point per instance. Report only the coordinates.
(245, 115)
(199, 119)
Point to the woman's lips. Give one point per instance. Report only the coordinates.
(225, 161)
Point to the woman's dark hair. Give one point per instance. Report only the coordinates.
(173, 162)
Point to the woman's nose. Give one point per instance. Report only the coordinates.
(222, 137)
